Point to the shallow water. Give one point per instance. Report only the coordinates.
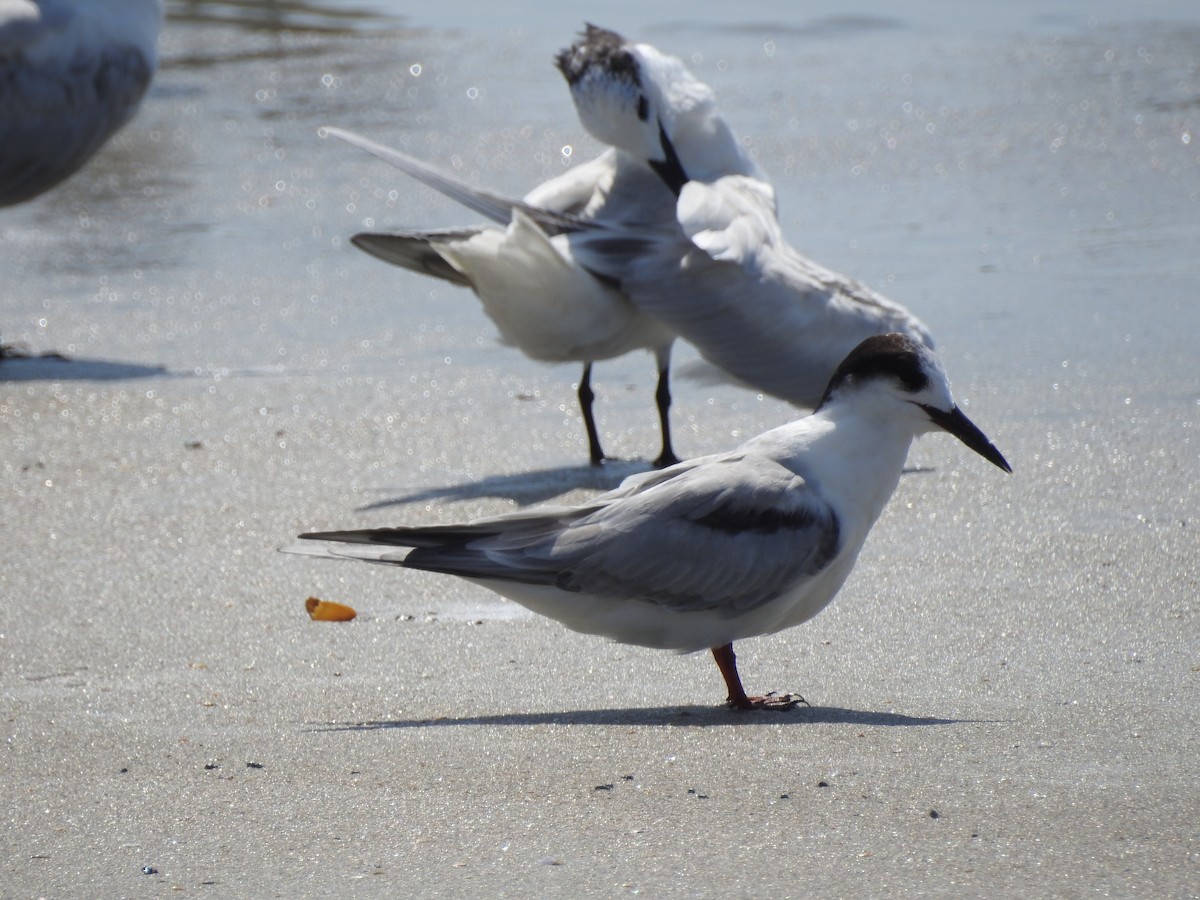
(1025, 181)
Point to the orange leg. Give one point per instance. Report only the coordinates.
(727, 663)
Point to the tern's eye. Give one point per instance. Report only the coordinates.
(643, 108)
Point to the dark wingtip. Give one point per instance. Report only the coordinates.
(365, 536)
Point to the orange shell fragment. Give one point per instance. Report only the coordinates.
(328, 611)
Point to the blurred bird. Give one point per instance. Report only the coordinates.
(72, 72)
(714, 550)
(672, 231)
(539, 298)
(724, 278)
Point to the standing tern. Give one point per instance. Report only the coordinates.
(724, 278)
(540, 299)
(72, 72)
(717, 549)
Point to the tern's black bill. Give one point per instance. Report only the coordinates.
(670, 169)
(966, 431)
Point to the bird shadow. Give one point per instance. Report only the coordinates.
(539, 486)
(17, 365)
(524, 488)
(671, 716)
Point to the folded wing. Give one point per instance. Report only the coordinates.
(727, 537)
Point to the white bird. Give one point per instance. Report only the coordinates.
(539, 298)
(724, 278)
(714, 550)
(72, 72)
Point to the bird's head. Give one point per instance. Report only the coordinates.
(646, 103)
(904, 379)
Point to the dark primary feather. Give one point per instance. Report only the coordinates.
(412, 250)
(416, 536)
(735, 519)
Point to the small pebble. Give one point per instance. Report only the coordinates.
(149, 870)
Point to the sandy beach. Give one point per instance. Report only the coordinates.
(1004, 695)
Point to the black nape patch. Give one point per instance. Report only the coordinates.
(643, 110)
(598, 47)
(882, 356)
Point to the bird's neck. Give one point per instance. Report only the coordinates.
(856, 455)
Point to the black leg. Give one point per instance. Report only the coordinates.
(586, 396)
(662, 397)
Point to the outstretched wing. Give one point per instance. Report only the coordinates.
(494, 206)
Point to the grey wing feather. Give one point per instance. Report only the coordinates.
(52, 122)
(493, 206)
(721, 275)
(744, 532)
